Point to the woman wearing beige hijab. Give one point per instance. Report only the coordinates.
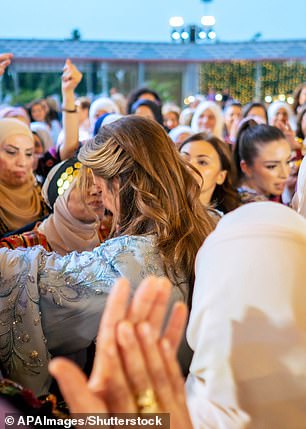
(20, 198)
(75, 224)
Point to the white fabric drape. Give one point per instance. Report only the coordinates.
(248, 322)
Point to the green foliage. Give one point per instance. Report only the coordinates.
(35, 85)
(167, 85)
(26, 96)
(168, 91)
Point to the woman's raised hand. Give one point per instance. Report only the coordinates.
(135, 369)
(71, 77)
(5, 60)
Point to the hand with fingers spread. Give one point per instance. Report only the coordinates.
(134, 369)
(5, 61)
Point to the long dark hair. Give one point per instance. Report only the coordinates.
(299, 131)
(296, 96)
(225, 197)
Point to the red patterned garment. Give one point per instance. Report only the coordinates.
(35, 238)
(27, 239)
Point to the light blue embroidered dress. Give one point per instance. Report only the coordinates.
(51, 305)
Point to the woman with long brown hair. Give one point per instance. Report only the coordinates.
(212, 158)
(159, 225)
(150, 189)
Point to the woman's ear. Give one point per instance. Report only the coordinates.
(221, 177)
(246, 170)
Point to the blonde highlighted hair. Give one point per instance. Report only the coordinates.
(158, 194)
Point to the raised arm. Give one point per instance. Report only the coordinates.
(70, 79)
(5, 61)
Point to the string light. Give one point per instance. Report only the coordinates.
(277, 79)
(188, 100)
(290, 100)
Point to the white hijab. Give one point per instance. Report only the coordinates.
(104, 104)
(275, 107)
(211, 105)
(176, 132)
(248, 322)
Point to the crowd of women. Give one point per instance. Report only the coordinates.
(213, 199)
